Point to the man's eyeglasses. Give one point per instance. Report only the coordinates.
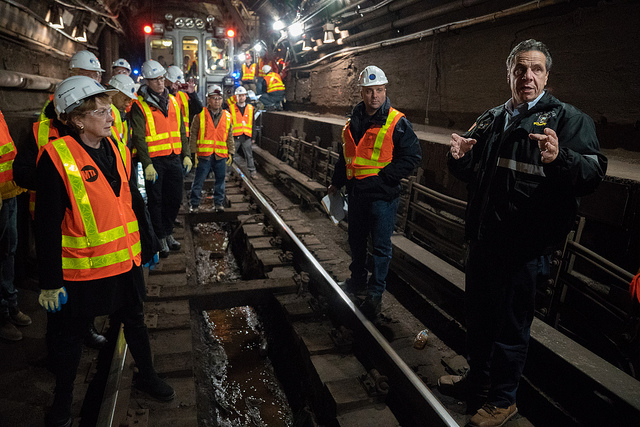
(101, 113)
(216, 98)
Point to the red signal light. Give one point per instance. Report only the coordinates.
(147, 29)
(231, 33)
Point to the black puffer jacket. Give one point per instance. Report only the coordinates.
(514, 198)
(406, 156)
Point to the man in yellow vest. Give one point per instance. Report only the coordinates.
(249, 72)
(273, 89)
(188, 101)
(159, 137)
(120, 103)
(212, 134)
(11, 314)
(379, 150)
(242, 119)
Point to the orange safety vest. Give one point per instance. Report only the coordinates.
(375, 149)
(274, 82)
(213, 139)
(100, 236)
(183, 102)
(248, 73)
(7, 152)
(43, 132)
(242, 124)
(260, 65)
(233, 99)
(162, 134)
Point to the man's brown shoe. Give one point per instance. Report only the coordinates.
(492, 416)
(18, 318)
(8, 331)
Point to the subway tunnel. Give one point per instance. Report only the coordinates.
(445, 65)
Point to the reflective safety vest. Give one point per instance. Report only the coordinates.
(162, 134)
(261, 64)
(100, 236)
(242, 124)
(43, 132)
(183, 102)
(7, 152)
(274, 82)
(248, 73)
(120, 128)
(42, 115)
(233, 99)
(375, 149)
(213, 139)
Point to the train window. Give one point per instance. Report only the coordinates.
(217, 56)
(190, 57)
(162, 51)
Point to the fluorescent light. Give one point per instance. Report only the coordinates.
(296, 29)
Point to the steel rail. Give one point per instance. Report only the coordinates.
(426, 405)
(106, 416)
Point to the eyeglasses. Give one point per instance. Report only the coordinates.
(215, 98)
(101, 113)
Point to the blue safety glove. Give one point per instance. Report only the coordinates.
(52, 299)
(153, 262)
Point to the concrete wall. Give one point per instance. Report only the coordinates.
(595, 52)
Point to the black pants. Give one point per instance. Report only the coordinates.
(165, 195)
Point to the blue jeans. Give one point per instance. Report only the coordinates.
(500, 301)
(219, 168)
(375, 219)
(8, 245)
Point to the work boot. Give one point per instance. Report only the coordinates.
(459, 387)
(193, 209)
(60, 413)
(93, 339)
(164, 248)
(350, 288)
(371, 306)
(8, 331)
(219, 208)
(253, 174)
(173, 244)
(18, 318)
(154, 386)
(492, 416)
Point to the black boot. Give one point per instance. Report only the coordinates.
(93, 339)
(60, 413)
(150, 383)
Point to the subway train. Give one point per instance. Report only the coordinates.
(445, 66)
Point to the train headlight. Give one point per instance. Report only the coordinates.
(168, 17)
(189, 23)
(199, 24)
(180, 22)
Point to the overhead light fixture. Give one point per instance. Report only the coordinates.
(82, 34)
(337, 30)
(328, 33)
(259, 46)
(305, 44)
(278, 25)
(296, 29)
(54, 18)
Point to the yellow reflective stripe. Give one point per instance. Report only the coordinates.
(101, 260)
(104, 237)
(383, 132)
(178, 112)
(366, 162)
(203, 119)
(185, 103)
(79, 192)
(359, 172)
(6, 148)
(43, 132)
(160, 147)
(6, 166)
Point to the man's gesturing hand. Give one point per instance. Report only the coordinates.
(548, 144)
(460, 145)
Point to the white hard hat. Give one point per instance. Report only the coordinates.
(214, 90)
(174, 74)
(152, 69)
(71, 92)
(240, 90)
(372, 76)
(121, 63)
(124, 84)
(266, 69)
(85, 60)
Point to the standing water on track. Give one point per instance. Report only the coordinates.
(214, 263)
(242, 380)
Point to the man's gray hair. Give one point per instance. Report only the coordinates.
(527, 46)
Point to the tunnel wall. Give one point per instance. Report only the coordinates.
(451, 78)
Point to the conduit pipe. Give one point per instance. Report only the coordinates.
(393, 7)
(527, 7)
(16, 80)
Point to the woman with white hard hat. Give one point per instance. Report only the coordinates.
(121, 103)
(89, 241)
(121, 66)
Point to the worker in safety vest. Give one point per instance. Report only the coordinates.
(273, 90)
(379, 149)
(249, 72)
(11, 316)
(120, 102)
(158, 134)
(188, 101)
(242, 120)
(89, 242)
(120, 66)
(212, 135)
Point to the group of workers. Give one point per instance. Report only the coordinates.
(526, 163)
(265, 81)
